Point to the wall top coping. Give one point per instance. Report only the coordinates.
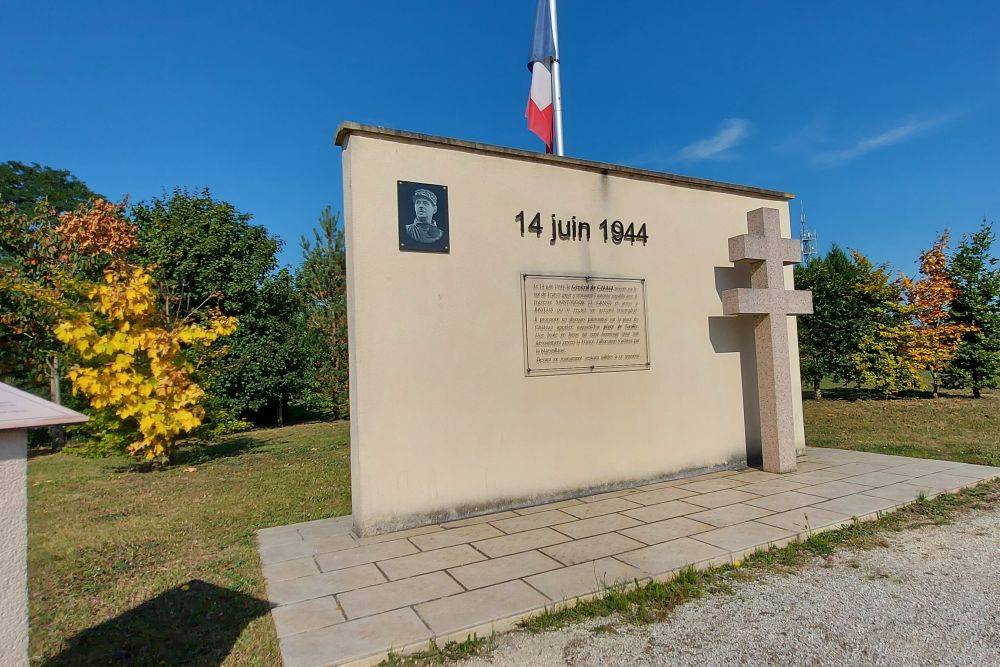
(19, 409)
(347, 129)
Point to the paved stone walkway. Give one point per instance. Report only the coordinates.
(337, 599)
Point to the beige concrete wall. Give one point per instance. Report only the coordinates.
(13, 548)
(444, 422)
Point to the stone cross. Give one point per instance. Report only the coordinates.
(770, 303)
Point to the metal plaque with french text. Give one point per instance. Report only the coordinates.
(584, 324)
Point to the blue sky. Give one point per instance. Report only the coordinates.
(881, 116)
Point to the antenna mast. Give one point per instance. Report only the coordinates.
(807, 236)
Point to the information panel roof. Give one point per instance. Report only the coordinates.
(19, 409)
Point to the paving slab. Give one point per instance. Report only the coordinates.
(587, 510)
(308, 615)
(277, 536)
(478, 607)
(591, 548)
(743, 536)
(398, 535)
(663, 511)
(429, 561)
(608, 494)
(585, 578)
(817, 476)
(666, 557)
(660, 495)
(536, 520)
(888, 459)
(973, 471)
(945, 481)
(289, 569)
(662, 485)
(708, 485)
(827, 453)
(315, 530)
(729, 515)
(471, 521)
(925, 467)
(397, 594)
(720, 498)
(836, 489)
(337, 599)
(534, 509)
(771, 487)
(449, 538)
(506, 568)
(882, 478)
(754, 476)
(341, 643)
(856, 468)
(806, 520)
(782, 502)
(337, 525)
(524, 541)
(326, 583)
(596, 525)
(718, 474)
(365, 554)
(900, 492)
(664, 531)
(809, 466)
(857, 504)
(298, 549)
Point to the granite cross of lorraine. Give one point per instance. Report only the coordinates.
(770, 303)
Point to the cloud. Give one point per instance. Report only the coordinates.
(896, 135)
(806, 138)
(718, 146)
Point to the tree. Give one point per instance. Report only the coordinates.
(263, 369)
(829, 336)
(976, 363)
(40, 253)
(29, 252)
(936, 335)
(25, 185)
(131, 359)
(883, 358)
(322, 282)
(202, 249)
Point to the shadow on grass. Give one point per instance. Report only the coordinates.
(36, 452)
(198, 452)
(202, 451)
(197, 626)
(854, 394)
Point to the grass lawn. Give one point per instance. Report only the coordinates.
(955, 427)
(130, 567)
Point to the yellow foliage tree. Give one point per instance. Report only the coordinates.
(936, 336)
(132, 360)
(884, 359)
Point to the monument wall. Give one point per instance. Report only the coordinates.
(557, 328)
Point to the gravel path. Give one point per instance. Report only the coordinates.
(931, 598)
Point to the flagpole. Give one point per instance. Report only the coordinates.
(557, 125)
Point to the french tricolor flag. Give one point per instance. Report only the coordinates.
(540, 58)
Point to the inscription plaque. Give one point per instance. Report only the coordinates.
(584, 324)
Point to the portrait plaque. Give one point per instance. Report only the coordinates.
(584, 324)
(423, 217)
